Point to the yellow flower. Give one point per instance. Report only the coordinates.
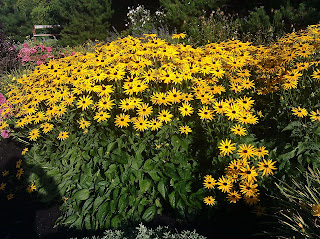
(185, 129)
(63, 135)
(84, 102)
(315, 210)
(226, 147)
(31, 188)
(122, 120)
(5, 173)
(266, 167)
(315, 116)
(234, 196)
(224, 184)
(34, 134)
(178, 36)
(18, 163)
(186, 109)
(10, 196)
(165, 116)
(248, 174)
(239, 130)
(209, 201)
(46, 127)
(246, 151)
(24, 151)
(2, 186)
(19, 173)
(83, 123)
(300, 112)
(209, 182)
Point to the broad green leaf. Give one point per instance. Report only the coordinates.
(144, 185)
(149, 165)
(82, 194)
(149, 214)
(102, 212)
(87, 222)
(172, 199)
(123, 202)
(154, 176)
(162, 189)
(97, 203)
(71, 219)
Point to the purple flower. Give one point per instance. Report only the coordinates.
(49, 49)
(2, 99)
(5, 134)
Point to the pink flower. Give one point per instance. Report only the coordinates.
(25, 45)
(39, 63)
(5, 134)
(49, 49)
(72, 53)
(2, 99)
(42, 47)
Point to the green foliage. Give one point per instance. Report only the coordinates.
(83, 20)
(113, 179)
(142, 232)
(299, 206)
(178, 13)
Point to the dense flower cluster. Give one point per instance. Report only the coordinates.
(144, 84)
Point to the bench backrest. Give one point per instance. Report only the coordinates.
(44, 27)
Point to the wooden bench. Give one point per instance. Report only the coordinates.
(44, 27)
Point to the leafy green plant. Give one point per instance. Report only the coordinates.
(142, 232)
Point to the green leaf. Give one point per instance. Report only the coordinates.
(149, 165)
(123, 202)
(97, 203)
(87, 222)
(100, 152)
(162, 189)
(172, 199)
(82, 194)
(149, 214)
(169, 170)
(144, 185)
(292, 126)
(154, 176)
(102, 212)
(71, 219)
(110, 146)
(115, 222)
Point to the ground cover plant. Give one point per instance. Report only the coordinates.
(132, 128)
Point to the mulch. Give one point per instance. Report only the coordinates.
(22, 217)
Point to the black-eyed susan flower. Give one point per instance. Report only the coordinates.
(224, 184)
(101, 116)
(234, 196)
(209, 201)
(24, 151)
(186, 109)
(185, 129)
(209, 182)
(261, 152)
(239, 130)
(248, 173)
(141, 124)
(122, 120)
(300, 112)
(31, 187)
(84, 102)
(5, 173)
(46, 127)
(226, 147)
(205, 113)
(83, 124)
(144, 110)
(63, 135)
(10, 196)
(34, 134)
(246, 151)
(253, 199)
(267, 167)
(2, 186)
(20, 171)
(155, 124)
(248, 188)
(315, 115)
(165, 116)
